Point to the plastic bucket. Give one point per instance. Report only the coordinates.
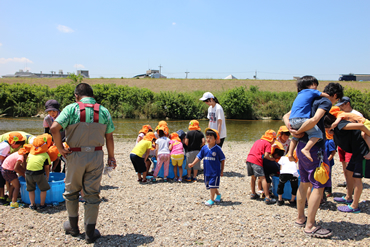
(53, 196)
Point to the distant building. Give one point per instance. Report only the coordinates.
(151, 73)
(53, 74)
(230, 77)
(355, 77)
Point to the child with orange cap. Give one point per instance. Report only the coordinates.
(194, 139)
(260, 150)
(139, 155)
(283, 137)
(288, 172)
(144, 130)
(214, 163)
(163, 153)
(177, 155)
(164, 125)
(38, 163)
(13, 164)
(14, 141)
(330, 150)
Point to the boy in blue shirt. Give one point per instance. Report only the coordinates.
(301, 112)
(214, 162)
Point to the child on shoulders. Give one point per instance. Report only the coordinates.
(301, 112)
(214, 162)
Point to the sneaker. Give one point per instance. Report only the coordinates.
(165, 180)
(254, 196)
(342, 200)
(188, 179)
(349, 209)
(209, 203)
(270, 201)
(292, 203)
(34, 207)
(154, 180)
(179, 180)
(14, 205)
(195, 180)
(42, 206)
(280, 203)
(2, 200)
(218, 198)
(176, 179)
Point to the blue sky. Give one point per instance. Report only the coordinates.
(210, 39)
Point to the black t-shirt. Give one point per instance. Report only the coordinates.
(319, 103)
(350, 141)
(195, 140)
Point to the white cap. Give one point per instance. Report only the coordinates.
(207, 95)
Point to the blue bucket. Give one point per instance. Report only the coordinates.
(53, 196)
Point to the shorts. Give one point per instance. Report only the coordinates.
(222, 140)
(307, 168)
(177, 159)
(40, 180)
(212, 182)
(138, 163)
(9, 176)
(190, 157)
(343, 155)
(360, 167)
(296, 123)
(255, 170)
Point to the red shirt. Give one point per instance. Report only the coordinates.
(259, 148)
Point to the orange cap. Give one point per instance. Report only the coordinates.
(328, 135)
(164, 128)
(218, 136)
(276, 145)
(194, 125)
(145, 129)
(149, 136)
(15, 137)
(175, 137)
(41, 144)
(269, 135)
(53, 153)
(282, 128)
(25, 150)
(335, 111)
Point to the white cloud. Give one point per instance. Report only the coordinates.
(173, 23)
(65, 29)
(79, 66)
(15, 60)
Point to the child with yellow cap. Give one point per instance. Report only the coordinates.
(260, 150)
(213, 162)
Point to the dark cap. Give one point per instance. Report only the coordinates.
(343, 100)
(52, 105)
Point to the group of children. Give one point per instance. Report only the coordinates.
(163, 147)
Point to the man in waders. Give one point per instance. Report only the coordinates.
(86, 124)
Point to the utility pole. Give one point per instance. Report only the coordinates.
(255, 75)
(186, 74)
(160, 71)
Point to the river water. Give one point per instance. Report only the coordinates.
(237, 130)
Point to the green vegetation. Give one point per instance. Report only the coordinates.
(26, 100)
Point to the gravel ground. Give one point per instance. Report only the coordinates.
(173, 214)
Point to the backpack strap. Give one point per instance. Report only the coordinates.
(83, 111)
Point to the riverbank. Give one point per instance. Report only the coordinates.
(173, 214)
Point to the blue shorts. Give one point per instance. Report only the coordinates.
(212, 182)
(296, 123)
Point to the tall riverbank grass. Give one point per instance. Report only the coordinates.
(26, 100)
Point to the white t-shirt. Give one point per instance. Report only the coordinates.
(285, 145)
(288, 167)
(140, 135)
(4, 150)
(356, 112)
(214, 114)
(163, 144)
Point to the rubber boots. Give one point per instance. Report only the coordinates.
(91, 234)
(71, 226)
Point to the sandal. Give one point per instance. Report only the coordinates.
(140, 179)
(194, 180)
(319, 232)
(145, 181)
(270, 201)
(209, 203)
(301, 224)
(254, 196)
